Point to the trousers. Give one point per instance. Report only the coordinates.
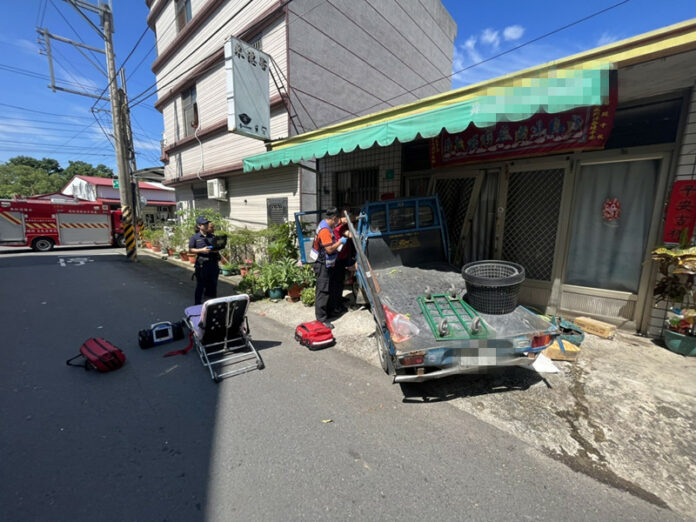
(325, 292)
(207, 273)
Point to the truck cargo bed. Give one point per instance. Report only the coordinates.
(400, 286)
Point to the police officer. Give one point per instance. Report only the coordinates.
(327, 251)
(207, 271)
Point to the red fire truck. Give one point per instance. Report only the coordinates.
(41, 224)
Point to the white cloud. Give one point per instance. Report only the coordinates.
(523, 58)
(513, 32)
(490, 37)
(606, 39)
(28, 46)
(470, 48)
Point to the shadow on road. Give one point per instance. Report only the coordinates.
(497, 380)
(264, 345)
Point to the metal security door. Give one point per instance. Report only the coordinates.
(458, 194)
(528, 228)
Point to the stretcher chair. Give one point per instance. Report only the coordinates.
(220, 333)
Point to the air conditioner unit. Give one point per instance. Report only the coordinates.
(216, 189)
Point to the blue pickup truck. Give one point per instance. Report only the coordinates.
(425, 327)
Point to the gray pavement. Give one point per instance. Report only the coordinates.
(158, 440)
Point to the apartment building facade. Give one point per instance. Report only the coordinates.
(331, 60)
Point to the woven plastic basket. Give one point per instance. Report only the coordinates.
(492, 286)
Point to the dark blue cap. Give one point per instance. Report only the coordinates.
(201, 221)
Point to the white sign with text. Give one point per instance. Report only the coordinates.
(248, 98)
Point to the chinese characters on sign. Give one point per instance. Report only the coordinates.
(248, 100)
(681, 212)
(582, 128)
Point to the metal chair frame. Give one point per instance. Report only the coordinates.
(226, 353)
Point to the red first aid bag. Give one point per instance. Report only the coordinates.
(314, 335)
(99, 354)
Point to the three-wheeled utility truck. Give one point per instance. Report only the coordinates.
(426, 325)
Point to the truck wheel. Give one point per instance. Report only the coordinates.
(383, 352)
(120, 241)
(42, 244)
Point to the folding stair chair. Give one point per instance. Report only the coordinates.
(220, 333)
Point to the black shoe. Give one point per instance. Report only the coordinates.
(328, 324)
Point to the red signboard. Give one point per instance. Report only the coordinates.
(583, 128)
(681, 212)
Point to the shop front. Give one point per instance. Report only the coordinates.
(574, 191)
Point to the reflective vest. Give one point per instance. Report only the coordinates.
(318, 252)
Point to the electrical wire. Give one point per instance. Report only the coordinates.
(41, 13)
(503, 53)
(79, 38)
(33, 74)
(182, 60)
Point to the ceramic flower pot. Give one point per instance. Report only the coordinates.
(680, 343)
(295, 291)
(275, 293)
(183, 256)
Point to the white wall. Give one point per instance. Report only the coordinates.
(248, 193)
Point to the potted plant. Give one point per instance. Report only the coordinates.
(244, 267)
(180, 241)
(157, 236)
(677, 268)
(308, 296)
(272, 279)
(147, 237)
(227, 269)
(301, 276)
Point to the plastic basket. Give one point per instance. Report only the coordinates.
(492, 286)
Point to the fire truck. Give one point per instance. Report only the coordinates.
(42, 224)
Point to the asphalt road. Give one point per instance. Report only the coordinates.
(158, 440)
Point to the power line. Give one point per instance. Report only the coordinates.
(140, 39)
(222, 26)
(143, 95)
(53, 151)
(43, 112)
(503, 53)
(41, 13)
(33, 74)
(71, 27)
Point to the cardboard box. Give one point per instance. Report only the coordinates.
(555, 353)
(595, 327)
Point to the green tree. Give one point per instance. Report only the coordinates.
(82, 168)
(26, 181)
(49, 165)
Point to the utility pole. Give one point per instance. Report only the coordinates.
(131, 151)
(119, 107)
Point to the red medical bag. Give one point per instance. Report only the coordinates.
(314, 335)
(99, 354)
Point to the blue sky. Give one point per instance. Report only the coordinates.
(35, 121)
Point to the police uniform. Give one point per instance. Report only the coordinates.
(206, 268)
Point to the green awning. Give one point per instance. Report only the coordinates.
(518, 99)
